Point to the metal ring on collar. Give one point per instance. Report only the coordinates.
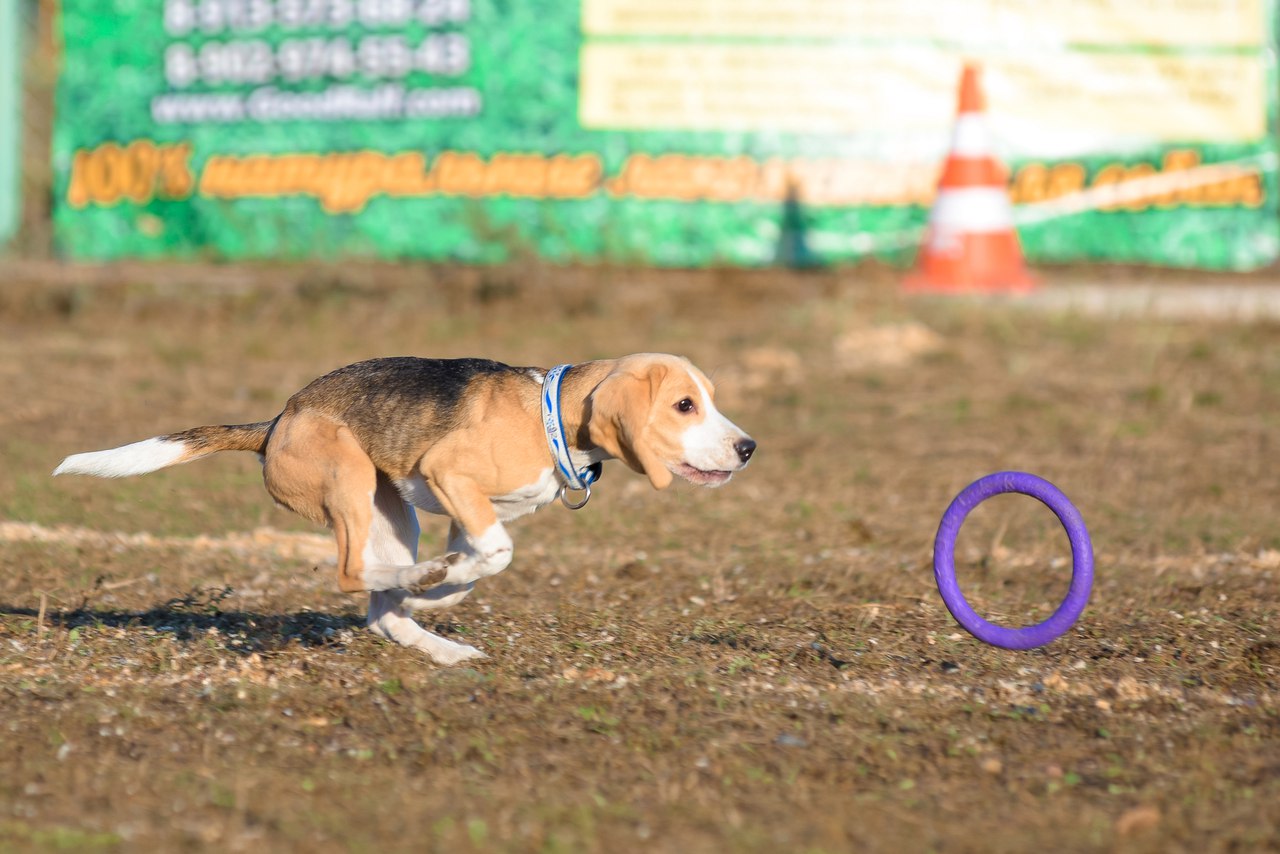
(564, 497)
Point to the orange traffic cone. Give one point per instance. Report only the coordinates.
(971, 245)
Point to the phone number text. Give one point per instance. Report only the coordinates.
(255, 61)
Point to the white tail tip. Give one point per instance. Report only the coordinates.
(138, 458)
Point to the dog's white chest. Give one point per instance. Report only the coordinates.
(519, 502)
(526, 499)
(414, 489)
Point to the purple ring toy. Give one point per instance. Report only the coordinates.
(944, 566)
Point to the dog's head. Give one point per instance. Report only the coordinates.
(657, 414)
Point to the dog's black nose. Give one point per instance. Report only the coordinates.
(745, 448)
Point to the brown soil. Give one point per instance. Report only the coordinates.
(763, 667)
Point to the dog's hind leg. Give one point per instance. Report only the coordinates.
(393, 539)
(316, 467)
(389, 618)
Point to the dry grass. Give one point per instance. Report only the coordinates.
(762, 667)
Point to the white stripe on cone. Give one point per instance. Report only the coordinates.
(969, 136)
(972, 209)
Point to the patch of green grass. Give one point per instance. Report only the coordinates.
(1207, 399)
(24, 837)
(1022, 402)
(597, 720)
(1150, 395)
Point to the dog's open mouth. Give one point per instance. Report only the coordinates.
(702, 477)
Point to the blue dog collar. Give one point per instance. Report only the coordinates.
(553, 425)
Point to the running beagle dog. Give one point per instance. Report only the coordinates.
(478, 441)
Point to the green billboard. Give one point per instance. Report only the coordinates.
(672, 133)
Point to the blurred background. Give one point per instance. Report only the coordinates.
(659, 134)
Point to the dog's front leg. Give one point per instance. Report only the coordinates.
(389, 612)
(444, 595)
(392, 545)
(448, 579)
(479, 546)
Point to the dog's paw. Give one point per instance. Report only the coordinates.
(455, 653)
(432, 578)
(423, 576)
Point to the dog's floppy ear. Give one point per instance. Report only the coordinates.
(621, 408)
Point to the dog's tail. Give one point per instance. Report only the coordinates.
(162, 451)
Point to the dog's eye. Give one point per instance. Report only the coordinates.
(686, 405)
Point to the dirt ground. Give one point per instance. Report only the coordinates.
(762, 667)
